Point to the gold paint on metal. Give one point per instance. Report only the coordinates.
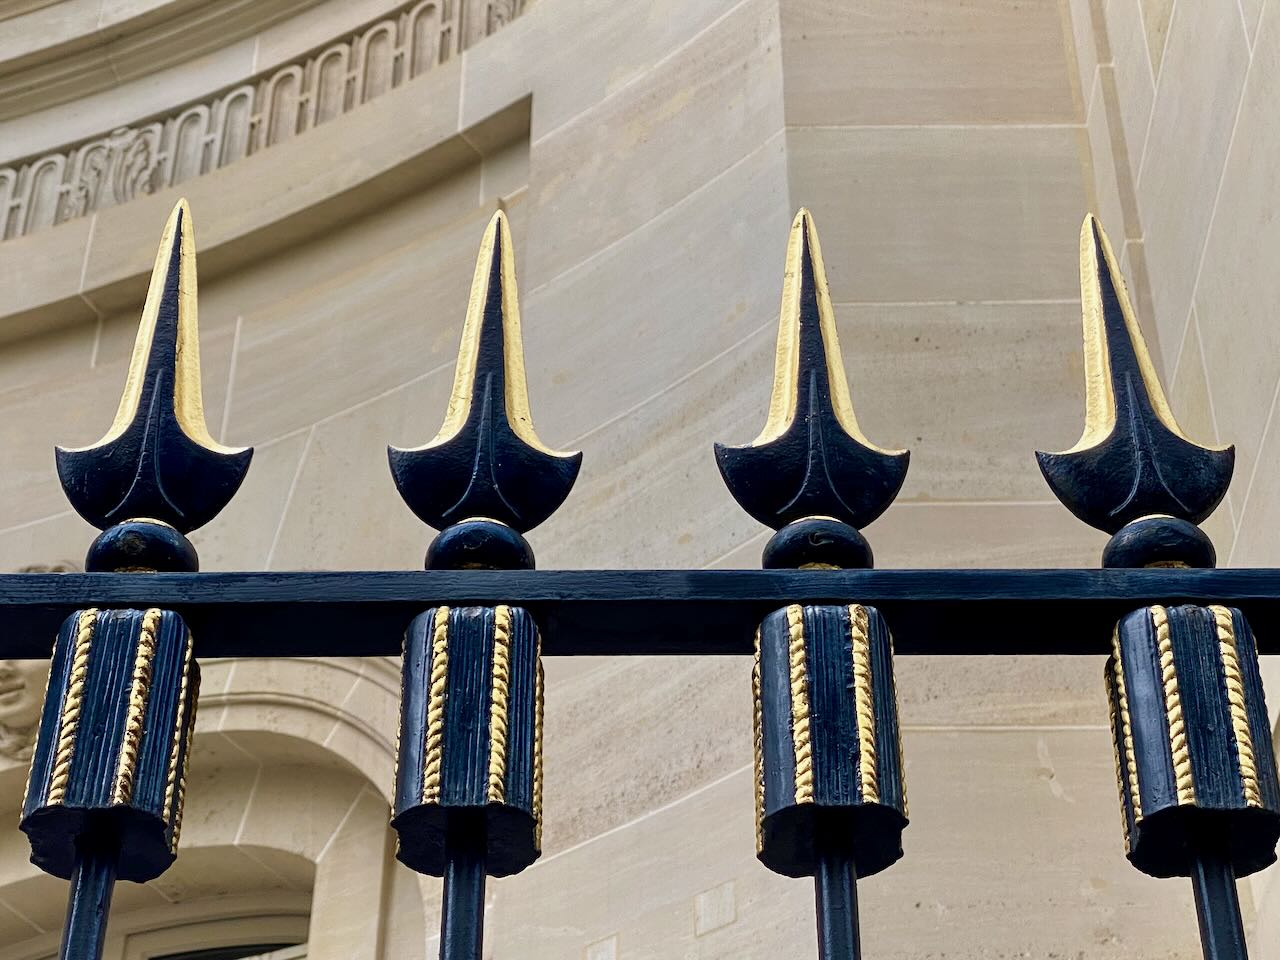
(499, 703)
(800, 704)
(139, 696)
(1178, 748)
(786, 371)
(186, 766)
(864, 704)
(1112, 698)
(71, 707)
(188, 402)
(538, 684)
(175, 748)
(495, 242)
(433, 751)
(1100, 401)
(1126, 727)
(757, 741)
(1230, 655)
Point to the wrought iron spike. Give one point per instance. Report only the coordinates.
(811, 458)
(487, 461)
(1133, 460)
(158, 459)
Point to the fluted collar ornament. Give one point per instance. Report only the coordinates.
(830, 798)
(1199, 788)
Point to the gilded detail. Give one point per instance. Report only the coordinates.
(1126, 726)
(800, 704)
(537, 750)
(758, 742)
(864, 704)
(1236, 702)
(1115, 749)
(434, 750)
(139, 695)
(498, 704)
(71, 708)
(175, 749)
(1178, 748)
(182, 774)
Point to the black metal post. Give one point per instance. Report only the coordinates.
(835, 887)
(89, 904)
(462, 912)
(1218, 905)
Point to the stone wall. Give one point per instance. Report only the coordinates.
(650, 157)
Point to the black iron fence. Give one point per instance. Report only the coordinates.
(1193, 748)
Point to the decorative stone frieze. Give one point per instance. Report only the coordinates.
(200, 137)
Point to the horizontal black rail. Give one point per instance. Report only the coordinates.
(629, 612)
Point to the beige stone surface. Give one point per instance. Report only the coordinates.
(1237, 291)
(1016, 859)
(1127, 40)
(725, 84)
(1206, 58)
(925, 61)
(943, 213)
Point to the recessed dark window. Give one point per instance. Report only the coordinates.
(225, 953)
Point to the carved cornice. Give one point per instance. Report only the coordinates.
(245, 119)
(79, 63)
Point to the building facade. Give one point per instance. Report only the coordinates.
(341, 158)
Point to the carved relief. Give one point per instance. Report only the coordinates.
(266, 110)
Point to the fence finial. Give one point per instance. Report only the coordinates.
(1133, 460)
(486, 460)
(158, 459)
(811, 459)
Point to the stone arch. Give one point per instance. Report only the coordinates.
(286, 815)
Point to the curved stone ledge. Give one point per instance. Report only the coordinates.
(261, 112)
(397, 143)
(66, 51)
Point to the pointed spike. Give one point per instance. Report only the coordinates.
(158, 459)
(811, 458)
(487, 460)
(1132, 460)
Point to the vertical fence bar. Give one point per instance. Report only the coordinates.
(469, 767)
(1198, 782)
(829, 787)
(108, 772)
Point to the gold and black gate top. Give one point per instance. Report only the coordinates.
(1196, 770)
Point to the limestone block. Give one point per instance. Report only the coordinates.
(1237, 290)
(1105, 162)
(1201, 82)
(725, 83)
(936, 378)
(654, 307)
(322, 348)
(946, 213)
(925, 61)
(346, 463)
(536, 52)
(1127, 39)
(1014, 849)
(1155, 18)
